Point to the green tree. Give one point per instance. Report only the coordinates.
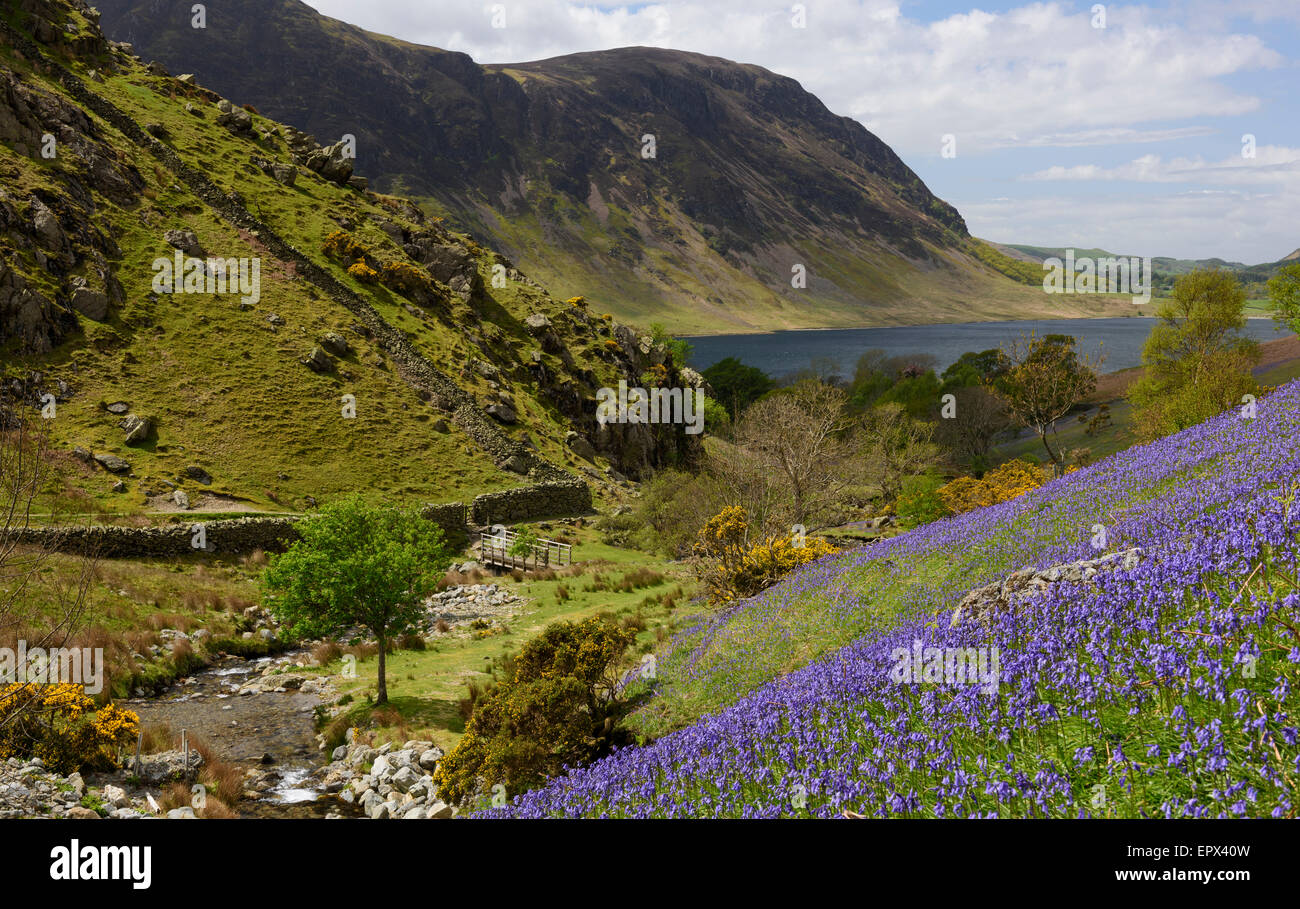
(358, 564)
(895, 446)
(972, 369)
(1044, 380)
(558, 706)
(736, 386)
(1284, 293)
(681, 350)
(1196, 362)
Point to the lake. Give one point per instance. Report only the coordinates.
(783, 352)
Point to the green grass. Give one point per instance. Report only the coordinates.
(425, 686)
(221, 382)
(1071, 434)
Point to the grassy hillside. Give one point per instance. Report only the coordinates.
(141, 155)
(1166, 686)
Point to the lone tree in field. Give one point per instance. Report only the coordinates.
(358, 564)
(1196, 362)
(797, 435)
(1046, 378)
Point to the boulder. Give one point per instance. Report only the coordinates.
(198, 474)
(439, 810)
(405, 778)
(77, 812)
(336, 344)
(137, 429)
(46, 225)
(186, 241)
(579, 445)
(381, 769)
(284, 173)
(502, 412)
(113, 797)
(112, 463)
(168, 766)
(91, 303)
(318, 361)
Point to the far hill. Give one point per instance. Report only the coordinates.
(666, 186)
(1166, 268)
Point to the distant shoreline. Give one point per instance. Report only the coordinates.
(783, 331)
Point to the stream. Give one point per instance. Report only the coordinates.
(248, 729)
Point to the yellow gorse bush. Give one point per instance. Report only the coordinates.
(406, 279)
(732, 568)
(1001, 484)
(59, 724)
(343, 246)
(363, 272)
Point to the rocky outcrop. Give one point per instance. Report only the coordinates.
(28, 315)
(449, 263)
(56, 232)
(985, 602)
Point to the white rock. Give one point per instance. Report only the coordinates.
(115, 796)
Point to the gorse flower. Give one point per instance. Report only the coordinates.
(59, 723)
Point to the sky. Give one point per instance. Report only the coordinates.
(1164, 129)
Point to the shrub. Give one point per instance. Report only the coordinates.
(1001, 484)
(655, 377)
(558, 707)
(363, 273)
(58, 724)
(919, 502)
(406, 279)
(731, 568)
(344, 247)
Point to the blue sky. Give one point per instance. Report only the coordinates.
(1068, 130)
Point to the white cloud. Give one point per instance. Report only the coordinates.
(1250, 227)
(1041, 67)
(1271, 165)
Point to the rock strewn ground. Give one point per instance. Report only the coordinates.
(464, 604)
(387, 782)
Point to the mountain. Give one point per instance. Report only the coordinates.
(751, 176)
(461, 374)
